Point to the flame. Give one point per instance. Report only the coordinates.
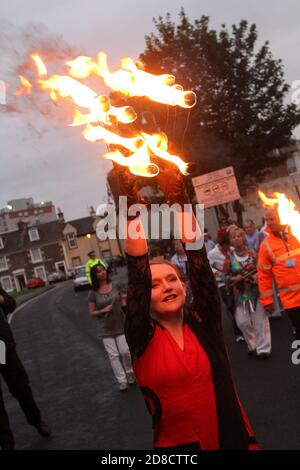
(81, 67)
(139, 163)
(287, 212)
(94, 133)
(100, 115)
(25, 88)
(41, 68)
(158, 143)
(132, 81)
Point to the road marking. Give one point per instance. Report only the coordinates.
(18, 309)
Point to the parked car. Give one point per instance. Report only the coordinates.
(80, 280)
(71, 273)
(35, 282)
(54, 277)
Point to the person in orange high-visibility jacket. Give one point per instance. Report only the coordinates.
(279, 257)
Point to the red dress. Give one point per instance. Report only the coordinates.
(187, 396)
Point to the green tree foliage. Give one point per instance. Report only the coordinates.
(241, 113)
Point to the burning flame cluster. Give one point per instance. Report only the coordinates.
(288, 214)
(100, 115)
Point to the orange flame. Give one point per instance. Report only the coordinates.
(132, 81)
(25, 88)
(129, 80)
(139, 163)
(94, 133)
(288, 214)
(158, 144)
(41, 68)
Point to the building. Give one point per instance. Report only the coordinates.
(30, 251)
(25, 210)
(79, 238)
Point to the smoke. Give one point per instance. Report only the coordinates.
(17, 43)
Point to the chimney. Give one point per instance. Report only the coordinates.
(92, 212)
(22, 226)
(60, 216)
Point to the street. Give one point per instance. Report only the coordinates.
(74, 385)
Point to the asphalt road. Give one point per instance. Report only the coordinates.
(77, 393)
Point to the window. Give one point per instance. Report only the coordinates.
(33, 234)
(36, 255)
(1, 243)
(106, 254)
(40, 272)
(3, 263)
(76, 261)
(6, 283)
(72, 242)
(291, 165)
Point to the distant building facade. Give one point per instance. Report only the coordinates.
(25, 210)
(79, 238)
(30, 251)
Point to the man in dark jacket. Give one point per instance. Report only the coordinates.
(16, 378)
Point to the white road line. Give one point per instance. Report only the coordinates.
(18, 309)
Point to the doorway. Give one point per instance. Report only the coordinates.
(21, 281)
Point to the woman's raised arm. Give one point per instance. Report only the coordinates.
(138, 324)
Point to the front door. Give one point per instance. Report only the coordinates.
(21, 281)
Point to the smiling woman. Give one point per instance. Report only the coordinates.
(178, 352)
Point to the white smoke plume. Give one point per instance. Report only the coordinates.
(17, 43)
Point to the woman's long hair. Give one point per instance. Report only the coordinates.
(95, 280)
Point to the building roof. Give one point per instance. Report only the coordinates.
(83, 226)
(49, 232)
(19, 240)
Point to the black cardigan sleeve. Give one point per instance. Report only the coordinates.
(206, 303)
(9, 304)
(139, 327)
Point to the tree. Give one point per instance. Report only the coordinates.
(241, 115)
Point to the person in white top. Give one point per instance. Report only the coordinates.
(216, 258)
(179, 258)
(209, 244)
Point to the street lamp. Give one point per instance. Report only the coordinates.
(89, 237)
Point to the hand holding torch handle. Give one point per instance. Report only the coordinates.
(127, 185)
(172, 183)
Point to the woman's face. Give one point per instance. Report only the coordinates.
(178, 246)
(101, 273)
(168, 291)
(237, 239)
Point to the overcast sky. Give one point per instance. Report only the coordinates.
(45, 160)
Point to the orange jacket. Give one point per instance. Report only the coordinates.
(281, 259)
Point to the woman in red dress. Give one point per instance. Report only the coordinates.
(179, 356)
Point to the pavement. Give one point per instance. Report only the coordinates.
(74, 385)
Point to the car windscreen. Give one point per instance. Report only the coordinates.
(80, 272)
